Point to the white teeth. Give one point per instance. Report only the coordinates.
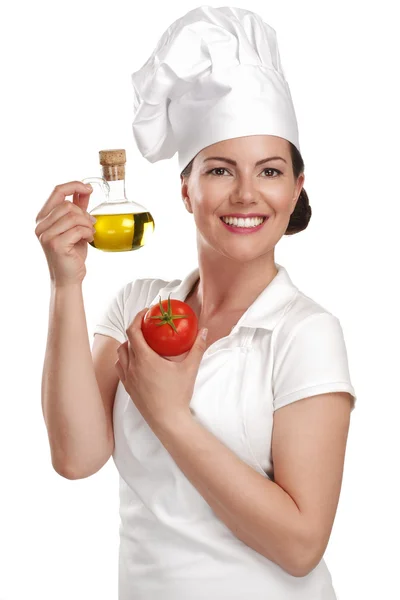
(241, 222)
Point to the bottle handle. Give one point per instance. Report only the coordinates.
(105, 188)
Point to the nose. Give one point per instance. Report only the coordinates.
(245, 190)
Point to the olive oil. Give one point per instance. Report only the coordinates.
(123, 232)
(121, 224)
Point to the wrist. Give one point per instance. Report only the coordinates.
(55, 285)
(173, 423)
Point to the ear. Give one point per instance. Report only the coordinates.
(185, 195)
(299, 186)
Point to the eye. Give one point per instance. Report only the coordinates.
(276, 170)
(216, 169)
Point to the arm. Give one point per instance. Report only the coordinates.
(78, 428)
(287, 521)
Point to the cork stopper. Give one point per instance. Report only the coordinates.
(113, 163)
(109, 158)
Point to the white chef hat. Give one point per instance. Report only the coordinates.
(215, 74)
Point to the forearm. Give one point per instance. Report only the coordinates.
(71, 401)
(256, 510)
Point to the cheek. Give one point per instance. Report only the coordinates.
(204, 208)
(280, 200)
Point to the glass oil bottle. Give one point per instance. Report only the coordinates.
(121, 225)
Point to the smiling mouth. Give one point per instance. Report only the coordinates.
(260, 220)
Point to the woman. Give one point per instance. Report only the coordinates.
(230, 459)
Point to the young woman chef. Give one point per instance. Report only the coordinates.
(230, 460)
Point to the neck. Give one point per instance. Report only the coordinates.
(228, 287)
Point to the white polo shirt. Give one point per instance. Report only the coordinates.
(172, 545)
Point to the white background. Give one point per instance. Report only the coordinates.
(66, 94)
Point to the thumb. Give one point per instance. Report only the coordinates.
(82, 199)
(199, 346)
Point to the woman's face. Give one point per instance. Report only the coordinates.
(235, 183)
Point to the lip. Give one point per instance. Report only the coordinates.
(248, 215)
(244, 230)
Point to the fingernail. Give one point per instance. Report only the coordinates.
(88, 186)
(93, 219)
(204, 333)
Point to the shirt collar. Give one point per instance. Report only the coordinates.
(266, 310)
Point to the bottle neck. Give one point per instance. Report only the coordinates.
(117, 190)
(115, 177)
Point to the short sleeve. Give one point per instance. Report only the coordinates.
(313, 360)
(112, 322)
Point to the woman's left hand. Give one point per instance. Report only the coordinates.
(160, 388)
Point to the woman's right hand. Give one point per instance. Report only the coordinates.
(64, 228)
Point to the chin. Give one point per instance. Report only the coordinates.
(241, 256)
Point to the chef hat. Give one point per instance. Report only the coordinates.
(215, 74)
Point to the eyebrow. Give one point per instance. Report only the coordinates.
(233, 162)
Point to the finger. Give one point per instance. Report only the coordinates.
(136, 325)
(123, 356)
(136, 337)
(59, 194)
(76, 216)
(79, 200)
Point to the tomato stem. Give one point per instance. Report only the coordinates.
(166, 317)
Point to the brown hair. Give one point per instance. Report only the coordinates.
(301, 215)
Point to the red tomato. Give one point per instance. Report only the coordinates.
(170, 327)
